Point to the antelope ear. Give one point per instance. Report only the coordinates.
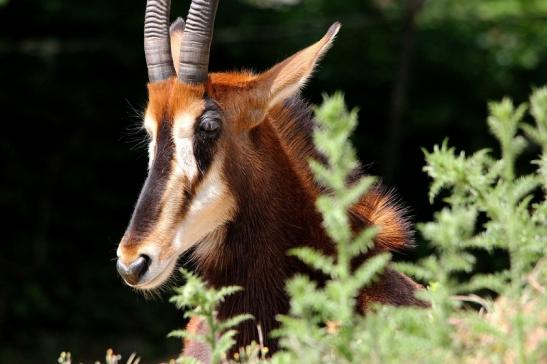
(175, 31)
(287, 78)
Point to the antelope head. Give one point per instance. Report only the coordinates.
(196, 122)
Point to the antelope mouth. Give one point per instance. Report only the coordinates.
(157, 274)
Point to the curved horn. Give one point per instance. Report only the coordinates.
(196, 41)
(157, 46)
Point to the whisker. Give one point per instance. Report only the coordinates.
(137, 112)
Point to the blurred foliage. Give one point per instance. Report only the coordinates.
(273, 3)
(322, 326)
(199, 301)
(511, 30)
(74, 84)
(110, 358)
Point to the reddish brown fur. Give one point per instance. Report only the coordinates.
(169, 97)
(193, 349)
(275, 193)
(166, 99)
(267, 143)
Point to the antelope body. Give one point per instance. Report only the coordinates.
(228, 178)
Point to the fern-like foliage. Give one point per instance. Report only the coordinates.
(488, 205)
(201, 301)
(322, 325)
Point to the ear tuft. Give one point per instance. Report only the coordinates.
(282, 81)
(333, 30)
(175, 31)
(287, 78)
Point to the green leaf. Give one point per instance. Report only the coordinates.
(369, 269)
(354, 192)
(315, 259)
(225, 342)
(413, 270)
(234, 321)
(226, 291)
(184, 334)
(187, 360)
(364, 241)
(496, 282)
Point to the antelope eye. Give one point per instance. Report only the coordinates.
(209, 124)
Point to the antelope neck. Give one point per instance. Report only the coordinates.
(275, 213)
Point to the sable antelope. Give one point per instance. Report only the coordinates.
(228, 177)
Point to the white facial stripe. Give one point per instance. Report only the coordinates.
(184, 133)
(212, 206)
(151, 152)
(184, 126)
(150, 125)
(186, 161)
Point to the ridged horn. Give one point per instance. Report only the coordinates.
(196, 41)
(157, 45)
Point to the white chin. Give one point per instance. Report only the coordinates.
(157, 275)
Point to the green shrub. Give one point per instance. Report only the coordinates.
(322, 326)
(200, 301)
(487, 206)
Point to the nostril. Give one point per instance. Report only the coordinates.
(134, 271)
(145, 265)
(146, 258)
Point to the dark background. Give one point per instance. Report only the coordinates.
(73, 82)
